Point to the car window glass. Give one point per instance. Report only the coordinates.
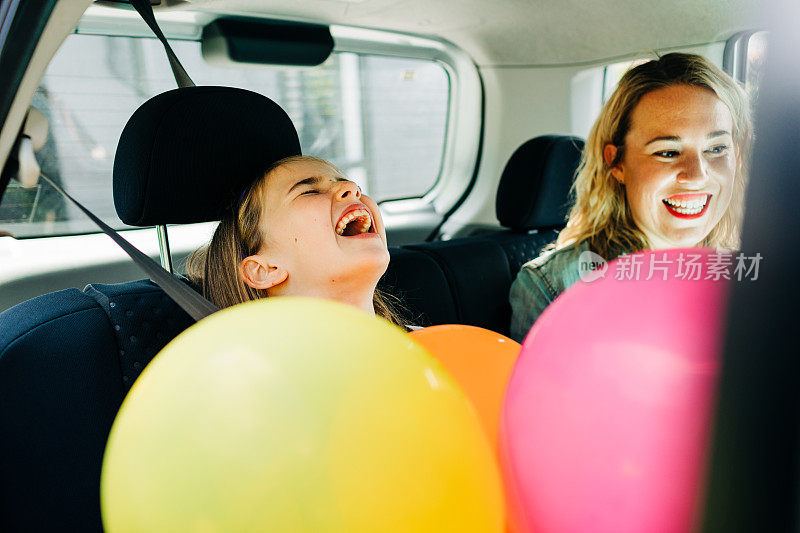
(591, 88)
(614, 72)
(381, 119)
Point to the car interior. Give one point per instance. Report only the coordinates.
(464, 120)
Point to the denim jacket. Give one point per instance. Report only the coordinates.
(539, 282)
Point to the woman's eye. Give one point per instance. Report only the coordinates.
(718, 150)
(309, 191)
(669, 154)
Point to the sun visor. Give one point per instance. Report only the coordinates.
(187, 154)
(235, 41)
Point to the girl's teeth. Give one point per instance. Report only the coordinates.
(349, 218)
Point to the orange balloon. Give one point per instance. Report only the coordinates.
(480, 361)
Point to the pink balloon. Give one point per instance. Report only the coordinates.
(606, 417)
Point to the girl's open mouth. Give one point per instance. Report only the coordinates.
(687, 205)
(355, 222)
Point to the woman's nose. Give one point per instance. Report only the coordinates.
(347, 190)
(694, 169)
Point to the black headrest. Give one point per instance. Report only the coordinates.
(187, 154)
(534, 187)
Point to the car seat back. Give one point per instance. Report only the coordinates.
(67, 359)
(532, 204)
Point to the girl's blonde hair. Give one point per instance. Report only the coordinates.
(215, 267)
(601, 214)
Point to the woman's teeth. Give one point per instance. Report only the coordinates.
(687, 207)
(359, 221)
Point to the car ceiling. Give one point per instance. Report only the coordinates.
(523, 32)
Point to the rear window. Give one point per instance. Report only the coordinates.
(381, 119)
(614, 72)
(590, 90)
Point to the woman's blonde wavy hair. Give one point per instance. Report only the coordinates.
(601, 214)
(215, 267)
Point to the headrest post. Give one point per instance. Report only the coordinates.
(163, 247)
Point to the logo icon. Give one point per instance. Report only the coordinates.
(591, 266)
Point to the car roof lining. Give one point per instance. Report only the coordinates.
(516, 34)
(535, 33)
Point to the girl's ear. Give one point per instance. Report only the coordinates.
(258, 273)
(609, 155)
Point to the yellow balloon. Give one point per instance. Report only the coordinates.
(297, 415)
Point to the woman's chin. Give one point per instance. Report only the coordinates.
(686, 240)
(676, 233)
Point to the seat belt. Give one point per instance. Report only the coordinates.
(145, 10)
(190, 301)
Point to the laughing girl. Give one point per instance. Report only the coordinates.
(301, 230)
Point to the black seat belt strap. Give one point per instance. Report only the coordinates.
(190, 301)
(145, 10)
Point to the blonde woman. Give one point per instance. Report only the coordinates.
(664, 166)
(302, 229)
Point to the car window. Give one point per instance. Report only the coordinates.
(591, 88)
(381, 119)
(614, 72)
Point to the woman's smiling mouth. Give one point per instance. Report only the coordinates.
(687, 205)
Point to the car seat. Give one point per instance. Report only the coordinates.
(532, 204)
(68, 358)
